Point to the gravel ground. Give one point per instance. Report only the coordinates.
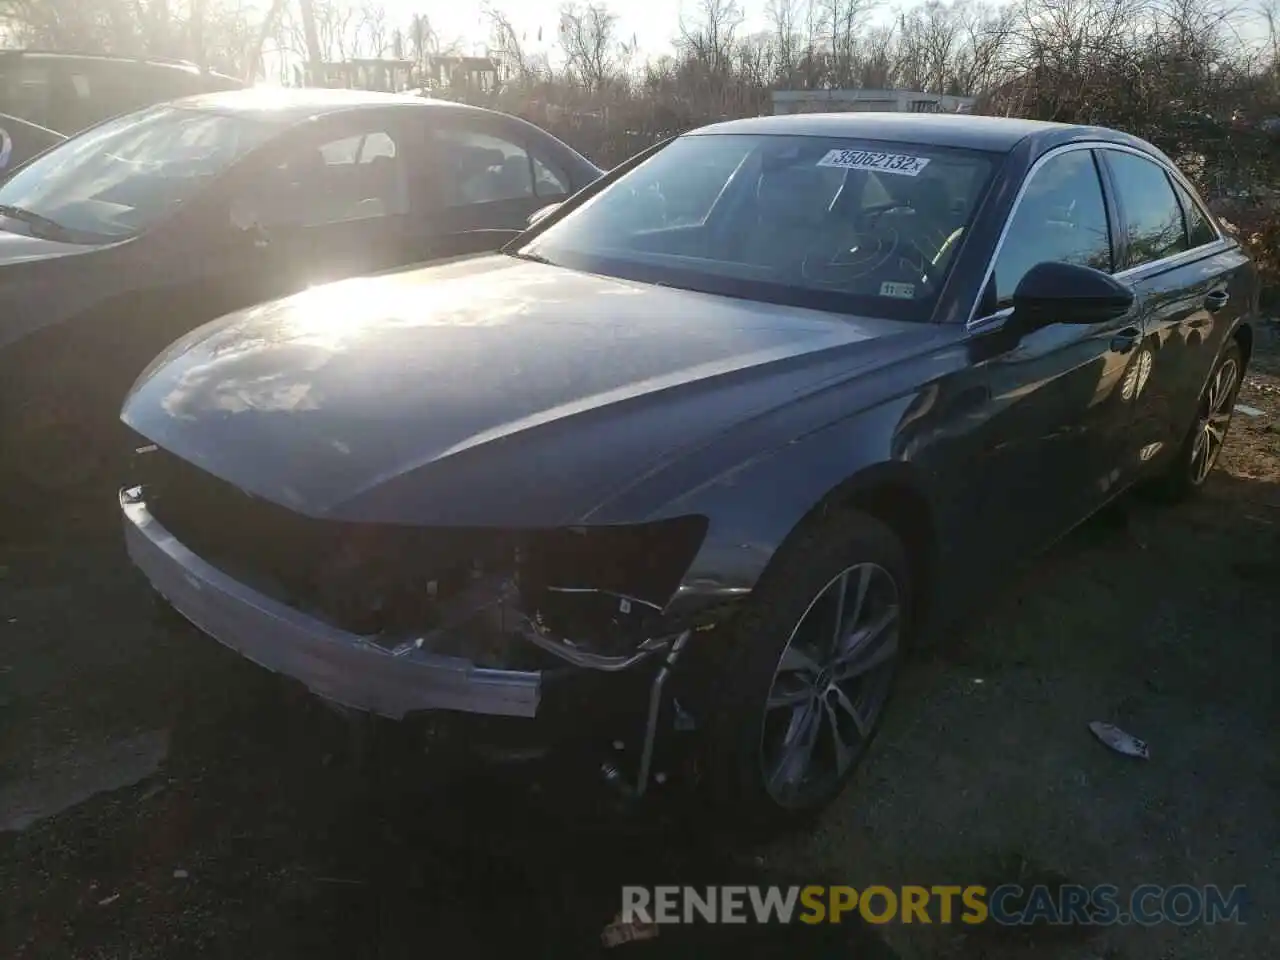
(160, 797)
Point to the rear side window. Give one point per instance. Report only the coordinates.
(1061, 218)
(549, 180)
(362, 148)
(1154, 227)
(1199, 230)
(482, 168)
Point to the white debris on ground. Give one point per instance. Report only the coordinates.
(619, 932)
(1119, 741)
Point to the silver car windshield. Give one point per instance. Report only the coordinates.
(118, 178)
(792, 218)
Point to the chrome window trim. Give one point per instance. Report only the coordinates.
(1172, 260)
(1176, 259)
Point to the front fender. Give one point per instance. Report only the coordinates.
(754, 505)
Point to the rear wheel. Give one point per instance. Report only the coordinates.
(1203, 443)
(814, 660)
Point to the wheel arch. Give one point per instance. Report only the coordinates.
(1243, 335)
(892, 492)
(899, 501)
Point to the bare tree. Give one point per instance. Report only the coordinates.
(336, 27)
(589, 44)
(708, 38)
(876, 55)
(215, 33)
(843, 21)
(269, 27)
(782, 16)
(372, 32)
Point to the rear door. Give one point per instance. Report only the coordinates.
(486, 175)
(1194, 285)
(1047, 404)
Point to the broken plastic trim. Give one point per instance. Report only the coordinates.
(641, 786)
(579, 657)
(608, 593)
(596, 595)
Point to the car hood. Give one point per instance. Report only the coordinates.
(487, 391)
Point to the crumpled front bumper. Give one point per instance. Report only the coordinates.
(336, 665)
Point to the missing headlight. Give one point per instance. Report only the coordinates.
(603, 588)
(477, 593)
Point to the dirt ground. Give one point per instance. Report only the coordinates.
(207, 811)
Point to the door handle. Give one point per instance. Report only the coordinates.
(1126, 339)
(1216, 299)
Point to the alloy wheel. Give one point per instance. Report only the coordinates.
(1211, 429)
(830, 685)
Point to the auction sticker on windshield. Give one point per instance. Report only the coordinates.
(899, 163)
(903, 291)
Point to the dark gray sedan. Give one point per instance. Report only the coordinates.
(683, 471)
(142, 227)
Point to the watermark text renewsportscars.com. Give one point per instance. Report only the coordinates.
(1006, 905)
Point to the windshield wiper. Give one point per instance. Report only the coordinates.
(55, 230)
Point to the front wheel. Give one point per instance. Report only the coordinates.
(811, 670)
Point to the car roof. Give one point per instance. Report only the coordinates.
(81, 58)
(996, 134)
(300, 103)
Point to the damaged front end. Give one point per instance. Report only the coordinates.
(535, 638)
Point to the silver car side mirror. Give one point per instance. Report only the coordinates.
(543, 212)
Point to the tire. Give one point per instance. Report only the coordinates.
(796, 600)
(1187, 474)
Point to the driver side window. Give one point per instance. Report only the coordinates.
(356, 177)
(1061, 217)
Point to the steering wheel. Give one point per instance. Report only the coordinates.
(872, 214)
(875, 211)
(867, 258)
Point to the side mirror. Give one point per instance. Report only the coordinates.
(543, 212)
(1068, 293)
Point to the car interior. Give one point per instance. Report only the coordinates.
(815, 226)
(317, 186)
(487, 174)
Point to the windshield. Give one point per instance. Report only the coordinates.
(121, 177)
(862, 226)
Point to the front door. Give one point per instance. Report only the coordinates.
(331, 204)
(1049, 407)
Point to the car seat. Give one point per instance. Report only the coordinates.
(790, 208)
(384, 182)
(514, 178)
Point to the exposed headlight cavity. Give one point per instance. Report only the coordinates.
(604, 587)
